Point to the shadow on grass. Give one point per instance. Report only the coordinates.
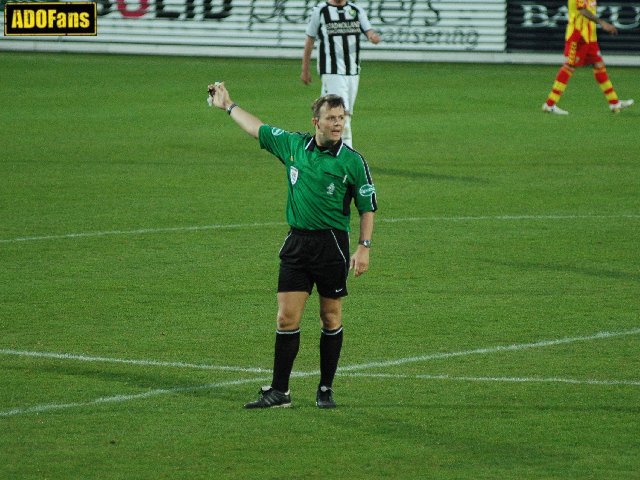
(412, 174)
(590, 271)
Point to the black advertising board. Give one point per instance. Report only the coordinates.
(539, 26)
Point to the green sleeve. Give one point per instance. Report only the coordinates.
(365, 191)
(275, 141)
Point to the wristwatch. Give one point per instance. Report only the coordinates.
(365, 243)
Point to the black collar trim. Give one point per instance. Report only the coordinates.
(333, 150)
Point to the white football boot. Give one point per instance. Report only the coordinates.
(621, 105)
(555, 109)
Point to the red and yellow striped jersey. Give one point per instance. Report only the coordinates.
(580, 23)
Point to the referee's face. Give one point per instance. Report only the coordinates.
(329, 125)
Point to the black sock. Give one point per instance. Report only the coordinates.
(330, 347)
(287, 346)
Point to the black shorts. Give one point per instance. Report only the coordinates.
(315, 257)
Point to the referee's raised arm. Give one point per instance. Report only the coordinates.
(221, 99)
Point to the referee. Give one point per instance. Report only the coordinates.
(338, 25)
(323, 176)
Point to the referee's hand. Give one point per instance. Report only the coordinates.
(360, 261)
(218, 92)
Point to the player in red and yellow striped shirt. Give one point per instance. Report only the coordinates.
(581, 49)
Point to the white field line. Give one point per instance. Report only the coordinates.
(352, 368)
(150, 363)
(47, 407)
(481, 351)
(232, 226)
(142, 231)
(573, 381)
(506, 218)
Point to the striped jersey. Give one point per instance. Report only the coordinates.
(338, 29)
(321, 182)
(580, 23)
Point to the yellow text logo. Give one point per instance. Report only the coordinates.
(50, 18)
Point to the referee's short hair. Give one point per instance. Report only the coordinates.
(331, 100)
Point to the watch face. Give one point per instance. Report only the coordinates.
(366, 243)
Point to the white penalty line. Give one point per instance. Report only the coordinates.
(233, 226)
(342, 370)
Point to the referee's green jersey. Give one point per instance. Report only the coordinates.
(321, 182)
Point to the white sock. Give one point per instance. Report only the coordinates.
(346, 131)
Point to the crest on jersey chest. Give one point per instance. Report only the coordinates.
(293, 175)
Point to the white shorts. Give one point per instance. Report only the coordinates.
(344, 85)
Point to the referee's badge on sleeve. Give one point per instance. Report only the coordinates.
(293, 175)
(367, 190)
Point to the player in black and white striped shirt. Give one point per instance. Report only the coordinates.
(338, 25)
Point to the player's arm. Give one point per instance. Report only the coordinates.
(305, 74)
(372, 36)
(606, 26)
(360, 259)
(221, 99)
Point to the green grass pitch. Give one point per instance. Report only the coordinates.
(496, 335)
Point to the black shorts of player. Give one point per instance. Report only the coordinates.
(315, 257)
